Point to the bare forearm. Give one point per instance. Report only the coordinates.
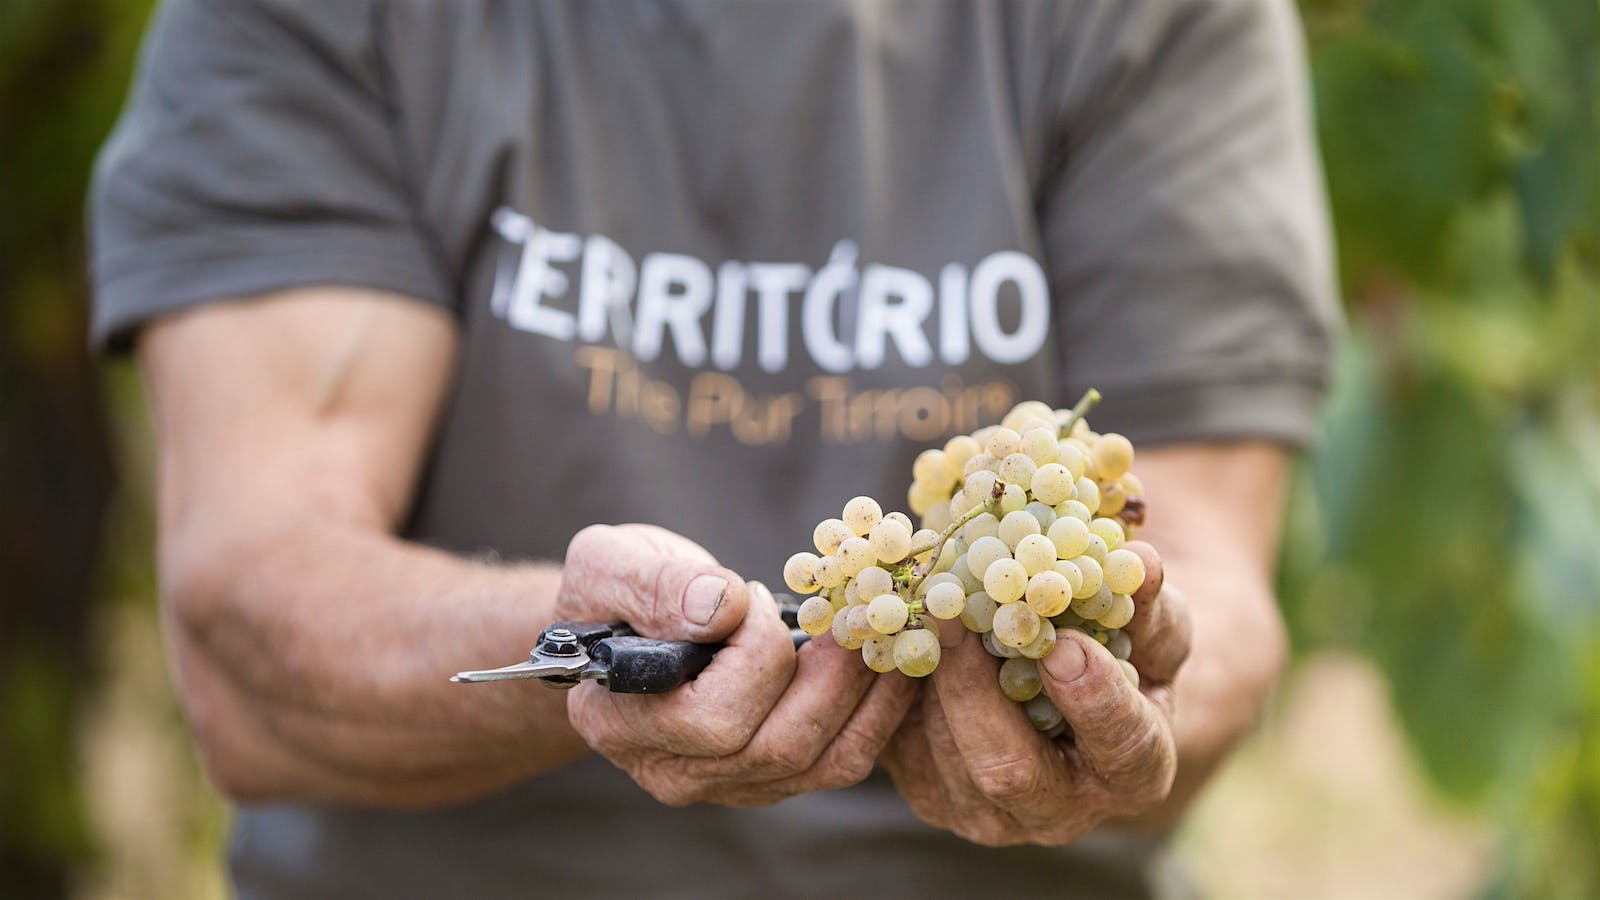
(315, 665)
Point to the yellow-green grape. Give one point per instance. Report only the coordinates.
(1113, 454)
(947, 558)
(1120, 645)
(958, 450)
(887, 613)
(861, 513)
(1089, 494)
(1018, 468)
(1002, 442)
(1040, 445)
(982, 525)
(1108, 530)
(1068, 619)
(1074, 509)
(925, 537)
(1124, 571)
(1120, 613)
(1044, 715)
(842, 633)
(937, 518)
(978, 613)
(900, 517)
(1131, 485)
(1097, 550)
(962, 569)
(1016, 624)
(890, 540)
(1026, 411)
(1068, 455)
(852, 592)
(977, 490)
(996, 649)
(815, 615)
(945, 600)
(979, 462)
(985, 552)
(1129, 672)
(800, 573)
(829, 572)
(1070, 536)
(1043, 642)
(1093, 576)
(1016, 526)
(1095, 605)
(933, 581)
(1073, 574)
(1049, 593)
(1045, 514)
(854, 555)
(1013, 499)
(877, 652)
(1053, 484)
(923, 498)
(829, 534)
(1101, 635)
(1112, 499)
(873, 581)
(1036, 554)
(1019, 680)
(916, 652)
(932, 467)
(1005, 580)
(860, 626)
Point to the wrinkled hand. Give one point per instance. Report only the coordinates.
(968, 761)
(762, 722)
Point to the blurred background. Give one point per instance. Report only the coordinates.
(1439, 733)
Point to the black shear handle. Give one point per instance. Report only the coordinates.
(639, 665)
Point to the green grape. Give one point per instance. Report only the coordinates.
(842, 635)
(985, 552)
(829, 534)
(1018, 469)
(1120, 645)
(1068, 619)
(978, 613)
(1112, 454)
(1095, 606)
(890, 541)
(1093, 577)
(1043, 713)
(1049, 593)
(855, 555)
(1097, 550)
(979, 462)
(1124, 570)
(1112, 499)
(860, 626)
(815, 615)
(962, 569)
(1074, 509)
(1016, 624)
(976, 491)
(1131, 485)
(924, 498)
(916, 652)
(1026, 411)
(1016, 526)
(1041, 645)
(1040, 445)
(1036, 554)
(1072, 573)
(1045, 514)
(878, 653)
(1089, 493)
(829, 572)
(947, 557)
(982, 525)
(946, 600)
(997, 649)
(1053, 484)
(1070, 535)
(958, 450)
(861, 513)
(1120, 613)
(1129, 672)
(925, 537)
(1070, 457)
(1002, 442)
(800, 573)
(902, 518)
(873, 581)
(1019, 680)
(1005, 580)
(1012, 499)
(1109, 531)
(887, 613)
(938, 517)
(933, 468)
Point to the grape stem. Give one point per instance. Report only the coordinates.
(989, 505)
(1081, 409)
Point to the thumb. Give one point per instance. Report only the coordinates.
(611, 575)
(1124, 737)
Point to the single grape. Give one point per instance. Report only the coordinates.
(1018, 469)
(1070, 457)
(945, 600)
(890, 540)
(860, 626)
(800, 573)
(1019, 680)
(983, 525)
(842, 635)
(829, 572)
(1045, 514)
(1070, 536)
(962, 569)
(873, 581)
(1074, 509)
(1005, 580)
(916, 652)
(937, 518)
(829, 534)
(1016, 526)
(1043, 713)
(1036, 554)
(852, 592)
(1013, 499)
(1052, 484)
(1124, 571)
(958, 450)
(985, 552)
(1068, 619)
(932, 467)
(978, 614)
(1025, 411)
(861, 513)
(1113, 454)
(1093, 576)
(1112, 499)
(978, 489)
(855, 554)
(1094, 606)
(1131, 485)
(1109, 531)
(1016, 624)
(887, 613)
(1040, 445)
(925, 537)
(934, 580)
(1120, 645)
(900, 517)
(997, 649)
(1043, 643)
(947, 557)
(1049, 593)
(1089, 494)
(1072, 573)
(1002, 443)
(878, 653)
(1097, 550)
(979, 462)
(924, 498)
(815, 615)
(1120, 613)
(1129, 672)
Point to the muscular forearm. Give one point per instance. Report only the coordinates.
(314, 663)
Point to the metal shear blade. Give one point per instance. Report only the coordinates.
(535, 667)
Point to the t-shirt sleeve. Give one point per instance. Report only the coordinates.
(1186, 227)
(256, 152)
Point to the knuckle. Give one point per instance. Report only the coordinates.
(1006, 778)
(589, 540)
(718, 736)
(986, 831)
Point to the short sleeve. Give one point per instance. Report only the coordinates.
(1186, 226)
(256, 152)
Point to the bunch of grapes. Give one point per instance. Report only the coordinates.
(1022, 532)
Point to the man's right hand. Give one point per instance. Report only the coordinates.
(763, 722)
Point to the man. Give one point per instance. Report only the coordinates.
(420, 290)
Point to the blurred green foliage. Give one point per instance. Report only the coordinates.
(1449, 529)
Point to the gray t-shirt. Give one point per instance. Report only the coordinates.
(719, 266)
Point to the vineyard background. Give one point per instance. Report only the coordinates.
(1439, 734)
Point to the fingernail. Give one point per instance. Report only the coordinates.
(702, 597)
(1067, 662)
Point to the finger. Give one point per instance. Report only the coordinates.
(1154, 570)
(848, 758)
(1120, 735)
(622, 573)
(719, 712)
(909, 760)
(971, 814)
(1162, 633)
(1005, 758)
